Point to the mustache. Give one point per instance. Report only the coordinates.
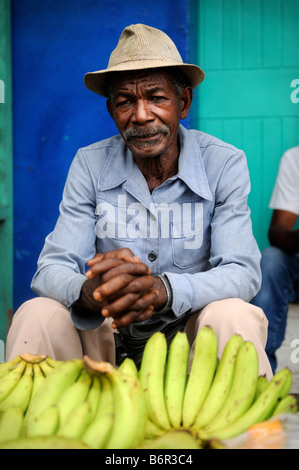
(132, 132)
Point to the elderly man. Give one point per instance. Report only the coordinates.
(158, 213)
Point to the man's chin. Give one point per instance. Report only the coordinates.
(146, 148)
(146, 152)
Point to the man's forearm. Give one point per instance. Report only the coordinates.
(285, 239)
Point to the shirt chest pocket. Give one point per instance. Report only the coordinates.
(111, 228)
(192, 247)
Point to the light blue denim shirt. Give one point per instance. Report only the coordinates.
(195, 227)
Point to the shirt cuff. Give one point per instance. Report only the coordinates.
(182, 293)
(84, 319)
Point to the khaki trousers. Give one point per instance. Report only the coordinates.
(43, 326)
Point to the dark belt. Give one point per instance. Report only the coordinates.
(132, 346)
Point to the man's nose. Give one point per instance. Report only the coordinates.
(142, 112)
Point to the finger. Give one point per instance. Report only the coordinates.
(132, 317)
(144, 301)
(124, 254)
(141, 285)
(132, 302)
(119, 306)
(110, 263)
(133, 269)
(98, 257)
(111, 287)
(102, 266)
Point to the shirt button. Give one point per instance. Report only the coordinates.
(152, 256)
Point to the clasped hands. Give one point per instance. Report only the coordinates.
(121, 287)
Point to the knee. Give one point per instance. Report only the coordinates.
(235, 312)
(226, 307)
(273, 261)
(40, 311)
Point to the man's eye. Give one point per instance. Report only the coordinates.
(123, 103)
(158, 98)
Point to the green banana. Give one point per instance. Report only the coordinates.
(284, 392)
(128, 366)
(76, 422)
(124, 425)
(242, 392)
(53, 362)
(152, 431)
(46, 368)
(286, 387)
(126, 406)
(221, 384)
(45, 424)
(140, 410)
(11, 379)
(258, 411)
(11, 423)
(173, 439)
(20, 395)
(262, 383)
(152, 372)
(38, 379)
(176, 377)
(53, 387)
(98, 432)
(288, 404)
(43, 442)
(201, 374)
(94, 395)
(75, 394)
(143, 370)
(6, 367)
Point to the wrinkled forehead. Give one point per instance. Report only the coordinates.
(148, 75)
(149, 78)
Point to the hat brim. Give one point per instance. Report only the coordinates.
(96, 81)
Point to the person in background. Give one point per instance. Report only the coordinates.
(158, 213)
(280, 261)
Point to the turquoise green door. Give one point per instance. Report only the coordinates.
(249, 50)
(6, 210)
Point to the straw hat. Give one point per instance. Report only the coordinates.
(142, 47)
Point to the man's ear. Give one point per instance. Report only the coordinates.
(186, 100)
(109, 107)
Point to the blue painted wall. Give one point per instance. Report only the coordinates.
(54, 43)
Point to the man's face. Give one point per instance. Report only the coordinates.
(147, 111)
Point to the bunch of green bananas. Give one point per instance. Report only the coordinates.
(173, 400)
(212, 398)
(20, 379)
(71, 404)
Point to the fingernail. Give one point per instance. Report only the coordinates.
(97, 296)
(105, 312)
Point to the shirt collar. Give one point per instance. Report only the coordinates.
(120, 166)
(191, 164)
